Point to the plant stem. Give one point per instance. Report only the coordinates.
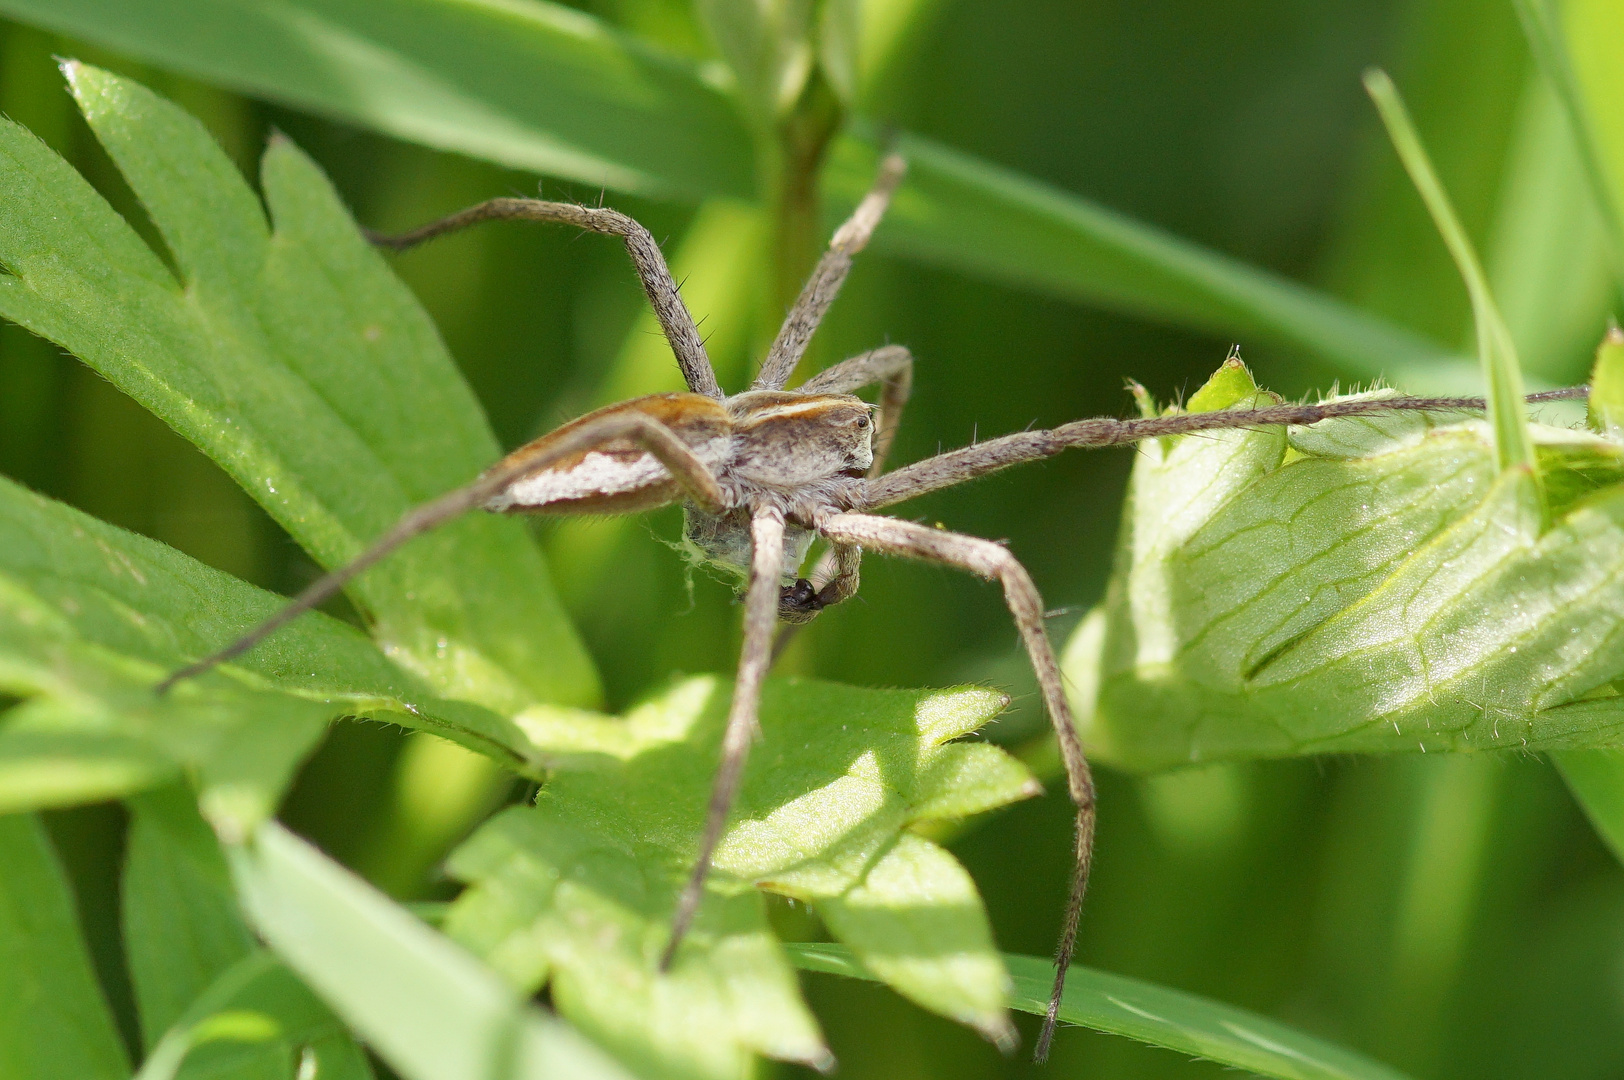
(803, 137)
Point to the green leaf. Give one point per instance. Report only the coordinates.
(480, 80)
(840, 45)
(296, 360)
(1153, 1014)
(54, 1021)
(1367, 584)
(534, 86)
(1596, 778)
(182, 929)
(91, 617)
(767, 45)
(211, 1002)
(1577, 52)
(956, 211)
(1606, 409)
(577, 891)
(256, 1019)
(1496, 352)
(428, 1008)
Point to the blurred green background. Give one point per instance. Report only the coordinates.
(1455, 917)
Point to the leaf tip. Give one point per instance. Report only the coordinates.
(1377, 81)
(999, 1030)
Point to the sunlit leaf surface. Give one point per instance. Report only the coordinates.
(426, 1006)
(1368, 584)
(94, 616)
(537, 86)
(294, 358)
(577, 891)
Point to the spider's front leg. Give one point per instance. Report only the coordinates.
(760, 602)
(658, 284)
(994, 562)
(692, 476)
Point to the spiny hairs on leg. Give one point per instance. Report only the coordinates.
(652, 270)
(696, 479)
(958, 466)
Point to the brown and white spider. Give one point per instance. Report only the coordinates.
(763, 473)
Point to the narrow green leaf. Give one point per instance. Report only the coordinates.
(956, 211)
(1547, 256)
(766, 43)
(299, 362)
(578, 890)
(1508, 413)
(839, 41)
(1589, 94)
(256, 1019)
(477, 79)
(182, 929)
(1596, 778)
(1606, 408)
(1153, 1014)
(534, 86)
(427, 1007)
(54, 1021)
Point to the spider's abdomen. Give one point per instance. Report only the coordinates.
(618, 477)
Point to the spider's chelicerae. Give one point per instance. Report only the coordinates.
(763, 473)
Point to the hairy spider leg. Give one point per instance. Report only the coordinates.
(995, 563)
(760, 616)
(827, 277)
(652, 271)
(696, 479)
(958, 466)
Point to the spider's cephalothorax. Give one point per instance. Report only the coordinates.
(763, 473)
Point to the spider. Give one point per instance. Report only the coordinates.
(763, 473)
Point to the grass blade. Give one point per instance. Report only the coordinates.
(54, 1021)
(559, 92)
(959, 212)
(534, 86)
(1508, 414)
(256, 1019)
(1546, 42)
(1153, 1014)
(182, 928)
(427, 1007)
